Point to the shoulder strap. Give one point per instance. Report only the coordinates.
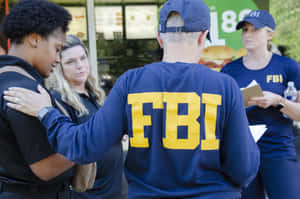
(23, 72)
(17, 70)
(63, 110)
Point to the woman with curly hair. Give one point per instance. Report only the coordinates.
(29, 168)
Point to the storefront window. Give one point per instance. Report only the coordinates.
(126, 35)
(125, 32)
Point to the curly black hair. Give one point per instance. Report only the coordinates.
(3, 42)
(34, 16)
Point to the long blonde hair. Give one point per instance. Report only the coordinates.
(58, 83)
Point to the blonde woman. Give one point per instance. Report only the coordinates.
(279, 173)
(74, 86)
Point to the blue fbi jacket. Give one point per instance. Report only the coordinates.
(188, 130)
(278, 140)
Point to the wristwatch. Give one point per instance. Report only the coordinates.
(43, 112)
(281, 104)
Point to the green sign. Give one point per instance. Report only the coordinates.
(225, 14)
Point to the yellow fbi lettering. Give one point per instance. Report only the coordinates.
(173, 119)
(274, 78)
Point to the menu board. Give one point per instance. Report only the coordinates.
(78, 24)
(109, 21)
(224, 37)
(141, 21)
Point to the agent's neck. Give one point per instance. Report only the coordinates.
(18, 51)
(257, 59)
(181, 53)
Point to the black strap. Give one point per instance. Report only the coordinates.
(30, 188)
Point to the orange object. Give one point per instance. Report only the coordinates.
(6, 7)
(6, 12)
(241, 52)
(215, 57)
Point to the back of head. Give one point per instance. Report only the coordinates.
(175, 20)
(3, 44)
(34, 16)
(182, 20)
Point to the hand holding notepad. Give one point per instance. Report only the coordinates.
(252, 90)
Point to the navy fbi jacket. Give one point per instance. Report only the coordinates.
(278, 141)
(189, 135)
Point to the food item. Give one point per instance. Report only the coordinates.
(215, 57)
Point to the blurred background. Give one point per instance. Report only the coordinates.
(125, 30)
(121, 34)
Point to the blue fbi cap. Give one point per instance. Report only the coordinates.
(195, 14)
(259, 19)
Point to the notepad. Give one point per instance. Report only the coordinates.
(252, 90)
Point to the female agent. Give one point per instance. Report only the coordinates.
(279, 173)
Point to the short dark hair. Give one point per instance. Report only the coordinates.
(34, 16)
(3, 42)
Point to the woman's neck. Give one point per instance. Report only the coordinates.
(257, 59)
(18, 51)
(81, 89)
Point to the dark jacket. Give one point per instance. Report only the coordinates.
(108, 183)
(23, 140)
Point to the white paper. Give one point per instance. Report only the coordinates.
(257, 131)
(252, 83)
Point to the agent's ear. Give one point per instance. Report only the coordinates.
(33, 40)
(271, 35)
(202, 37)
(160, 41)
